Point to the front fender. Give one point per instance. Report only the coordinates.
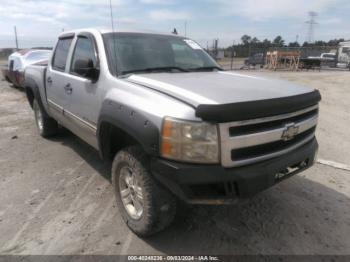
(132, 122)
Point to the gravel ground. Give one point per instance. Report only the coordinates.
(56, 196)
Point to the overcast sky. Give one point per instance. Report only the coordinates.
(39, 21)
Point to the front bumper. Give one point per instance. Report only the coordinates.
(214, 184)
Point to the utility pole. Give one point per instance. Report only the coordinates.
(16, 38)
(216, 46)
(185, 28)
(312, 22)
(232, 54)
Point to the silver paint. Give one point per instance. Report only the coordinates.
(154, 95)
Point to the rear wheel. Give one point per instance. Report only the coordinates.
(7, 79)
(145, 206)
(46, 125)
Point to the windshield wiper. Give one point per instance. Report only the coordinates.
(206, 68)
(155, 69)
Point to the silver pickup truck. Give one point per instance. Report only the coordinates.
(175, 125)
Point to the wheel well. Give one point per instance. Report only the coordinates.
(112, 139)
(30, 96)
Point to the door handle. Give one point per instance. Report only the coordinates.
(68, 88)
(49, 80)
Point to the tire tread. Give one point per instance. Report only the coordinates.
(50, 125)
(160, 204)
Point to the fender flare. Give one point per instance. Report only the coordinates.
(132, 122)
(30, 84)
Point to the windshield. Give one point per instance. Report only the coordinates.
(134, 52)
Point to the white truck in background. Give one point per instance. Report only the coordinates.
(343, 55)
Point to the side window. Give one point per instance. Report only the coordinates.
(17, 64)
(84, 56)
(61, 53)
(11, 64)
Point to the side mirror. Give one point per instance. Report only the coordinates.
(93, 73)
(86, 69)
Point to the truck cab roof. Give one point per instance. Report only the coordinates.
(108, 31)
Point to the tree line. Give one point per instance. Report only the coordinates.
(278, 41)
(251, 45)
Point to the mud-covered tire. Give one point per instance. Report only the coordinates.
(159, 205)
(8, 79)
(46, 125)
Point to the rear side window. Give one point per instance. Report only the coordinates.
(11, 65)
(61, 53)
(84, 55)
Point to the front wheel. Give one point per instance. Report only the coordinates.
(145, 206)
(46, 125)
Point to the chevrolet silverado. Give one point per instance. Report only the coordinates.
(174, 124)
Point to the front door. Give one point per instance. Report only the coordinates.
(83, 97)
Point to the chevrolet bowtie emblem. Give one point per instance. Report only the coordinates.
(290, 131)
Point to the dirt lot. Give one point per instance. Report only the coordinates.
(56, 196)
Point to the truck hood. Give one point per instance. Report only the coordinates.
(213, 88)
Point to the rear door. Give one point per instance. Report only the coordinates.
(56, 77)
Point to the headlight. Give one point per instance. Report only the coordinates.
(189, 141)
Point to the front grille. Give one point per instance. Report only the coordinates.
(261, 127)
(245, 142)
(269, 148)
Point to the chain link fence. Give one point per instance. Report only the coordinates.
(244, 57)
